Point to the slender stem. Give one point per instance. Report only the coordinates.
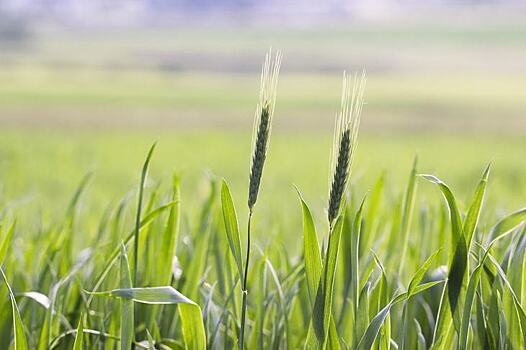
(245, 291)
(248, 251)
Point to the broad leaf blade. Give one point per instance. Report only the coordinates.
(152, 295)
(193, 326)
(311, 251)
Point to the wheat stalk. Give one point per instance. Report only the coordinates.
(260, 138)
(344, 142)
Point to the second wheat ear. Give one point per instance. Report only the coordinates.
(344, 142)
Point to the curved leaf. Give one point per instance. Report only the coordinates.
(508, 223)
(231, 226)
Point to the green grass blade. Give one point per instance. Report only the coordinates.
(470, 298)
(5, 241)
(152, 295)
(419, 274)
(482, 331)
(443, 324)
(231, 226)
(521, 314)
(383, 300)
(473, 215)
(367, 341)
(193, 327)
(362, 314)
(354, 256)
(321, 315)
(373, 218)
(456, 223)
(127, 309)
(311, 251)
(359, 320)
(144, 174)
(508, 224)
(169, 237)
(79, 337)
(190, 312)
(407, 213)
(37, 297)
(458, 256)
(20, 340)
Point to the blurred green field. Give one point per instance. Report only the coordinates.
(41, 169)
(93, 100)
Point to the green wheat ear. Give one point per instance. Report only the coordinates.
(344, 142)
(263, 123)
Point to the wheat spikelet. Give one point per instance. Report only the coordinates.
(344, 142)
(263, 123)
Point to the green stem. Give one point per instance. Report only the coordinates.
(245, 291)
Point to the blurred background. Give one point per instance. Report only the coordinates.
(87, 86)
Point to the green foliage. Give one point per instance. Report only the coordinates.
(332, 294)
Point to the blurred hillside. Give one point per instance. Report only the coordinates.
(435, 66)
(137, 12)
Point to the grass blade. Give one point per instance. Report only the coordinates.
(79, 337)
(6, 241)
(191, 317)
(367, 341)
(508, 224)
(473, 215)
(152, 295)
(311, 251)
(419, 274)
(321, 315)
(169, 237)
(127, 309)
(231, 226)
(458, 255)
(144, 173)
(20, 340)
(407, 213)
(193, 326)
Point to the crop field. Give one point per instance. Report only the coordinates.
(135, 214)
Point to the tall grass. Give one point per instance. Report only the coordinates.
(383, 276)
